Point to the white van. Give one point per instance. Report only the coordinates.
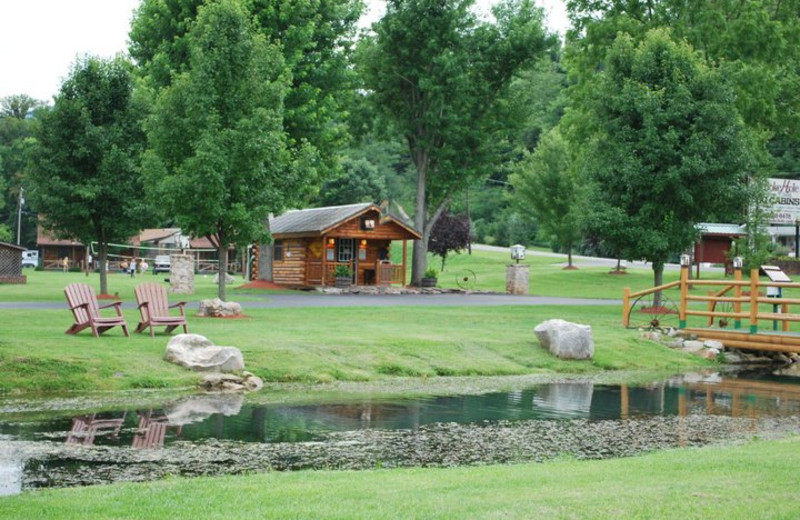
(30, 258)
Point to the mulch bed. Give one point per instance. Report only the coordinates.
(261, 284)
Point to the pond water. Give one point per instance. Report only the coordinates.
(217, 434)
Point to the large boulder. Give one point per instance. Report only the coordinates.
(197, 353)
(228, 279)
(216, 308)
(565, 339)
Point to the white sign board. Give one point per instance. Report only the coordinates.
(785, 198)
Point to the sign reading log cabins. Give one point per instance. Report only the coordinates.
(785, 198)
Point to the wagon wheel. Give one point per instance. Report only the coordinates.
(466, 279)
(721, 321)
(644, 313)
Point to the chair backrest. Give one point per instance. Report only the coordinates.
(78, 294)
(156, 297)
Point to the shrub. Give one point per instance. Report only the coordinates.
(342, 270)
(431, 273)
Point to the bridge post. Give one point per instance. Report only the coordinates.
(685, 265)
(754, 301)
(737, 291)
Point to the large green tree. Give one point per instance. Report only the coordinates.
(85, 177)
(314, 37)
(438, 74)
(754, 43)
(220, 162)
(665, 149)
(16, 128)
(546, 184)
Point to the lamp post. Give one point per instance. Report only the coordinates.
(19, 212)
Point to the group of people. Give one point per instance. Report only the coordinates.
(134, 265)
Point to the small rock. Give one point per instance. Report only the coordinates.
(711, 343)
(692, 346)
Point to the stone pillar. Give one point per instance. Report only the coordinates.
(517, 279)
(181, 274)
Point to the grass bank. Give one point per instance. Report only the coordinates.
(741, 482)
(322, 344)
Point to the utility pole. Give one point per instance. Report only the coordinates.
(19, 212)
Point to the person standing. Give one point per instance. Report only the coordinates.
(143, 266)
(133, 267)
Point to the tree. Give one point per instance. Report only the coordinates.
(84, 176)
(219, 161)
(315, 40)
(665, 149)
(16, 128)
(451, 233)
(546, 184)
(18, 106)
(437, 73)
(755, 44)
(359, 181)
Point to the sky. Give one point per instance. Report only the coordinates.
(40, 39)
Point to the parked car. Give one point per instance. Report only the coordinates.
(30, 258)
(161, 264)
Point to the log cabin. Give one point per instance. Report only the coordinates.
(310, 243)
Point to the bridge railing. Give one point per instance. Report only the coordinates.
(745, 305)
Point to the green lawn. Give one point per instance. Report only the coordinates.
(742, 482)
(322, 344)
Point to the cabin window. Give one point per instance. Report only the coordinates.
(344, 249)
(277, 251)
(367, 223)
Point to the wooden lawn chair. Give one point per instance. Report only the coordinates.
(151, 431)
(154, 309)
(83, 304)
(86, 427)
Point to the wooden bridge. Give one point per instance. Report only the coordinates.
(750, 314)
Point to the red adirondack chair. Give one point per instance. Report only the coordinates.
(154, 308)
(83, 304)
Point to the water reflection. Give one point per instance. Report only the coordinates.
(230, 418)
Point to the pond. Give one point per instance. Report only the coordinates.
(228, 434)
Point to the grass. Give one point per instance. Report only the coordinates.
(740, 482)
(321, 345)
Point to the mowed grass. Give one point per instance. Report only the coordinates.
(741, 482)
(321, 345)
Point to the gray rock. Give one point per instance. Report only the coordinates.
(733, 357)
(711, 343)
(216, 308)
(566, 340)
(692, 346)
(197, 353)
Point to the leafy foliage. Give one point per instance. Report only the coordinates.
(358, 181)
(546, 184)
(451, 233)
(219, 162)
(314, 38)
(440, 92)
(665, 151)
(84, 176)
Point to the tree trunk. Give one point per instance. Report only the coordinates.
(222, 255)
(569, 256)
(103, 270)
(658, 279)
(419, 260)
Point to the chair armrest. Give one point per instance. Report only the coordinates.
(179, 304)
(143, 304)
(85, 305)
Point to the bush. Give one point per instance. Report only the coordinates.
(431, 273)
(342, 271)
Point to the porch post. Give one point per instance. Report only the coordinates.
(405, 249)
(324, 258)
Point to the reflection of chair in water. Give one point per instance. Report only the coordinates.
(152, 430)
(86, 427)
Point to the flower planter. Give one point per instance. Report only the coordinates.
(343, 282)
(428, 282)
